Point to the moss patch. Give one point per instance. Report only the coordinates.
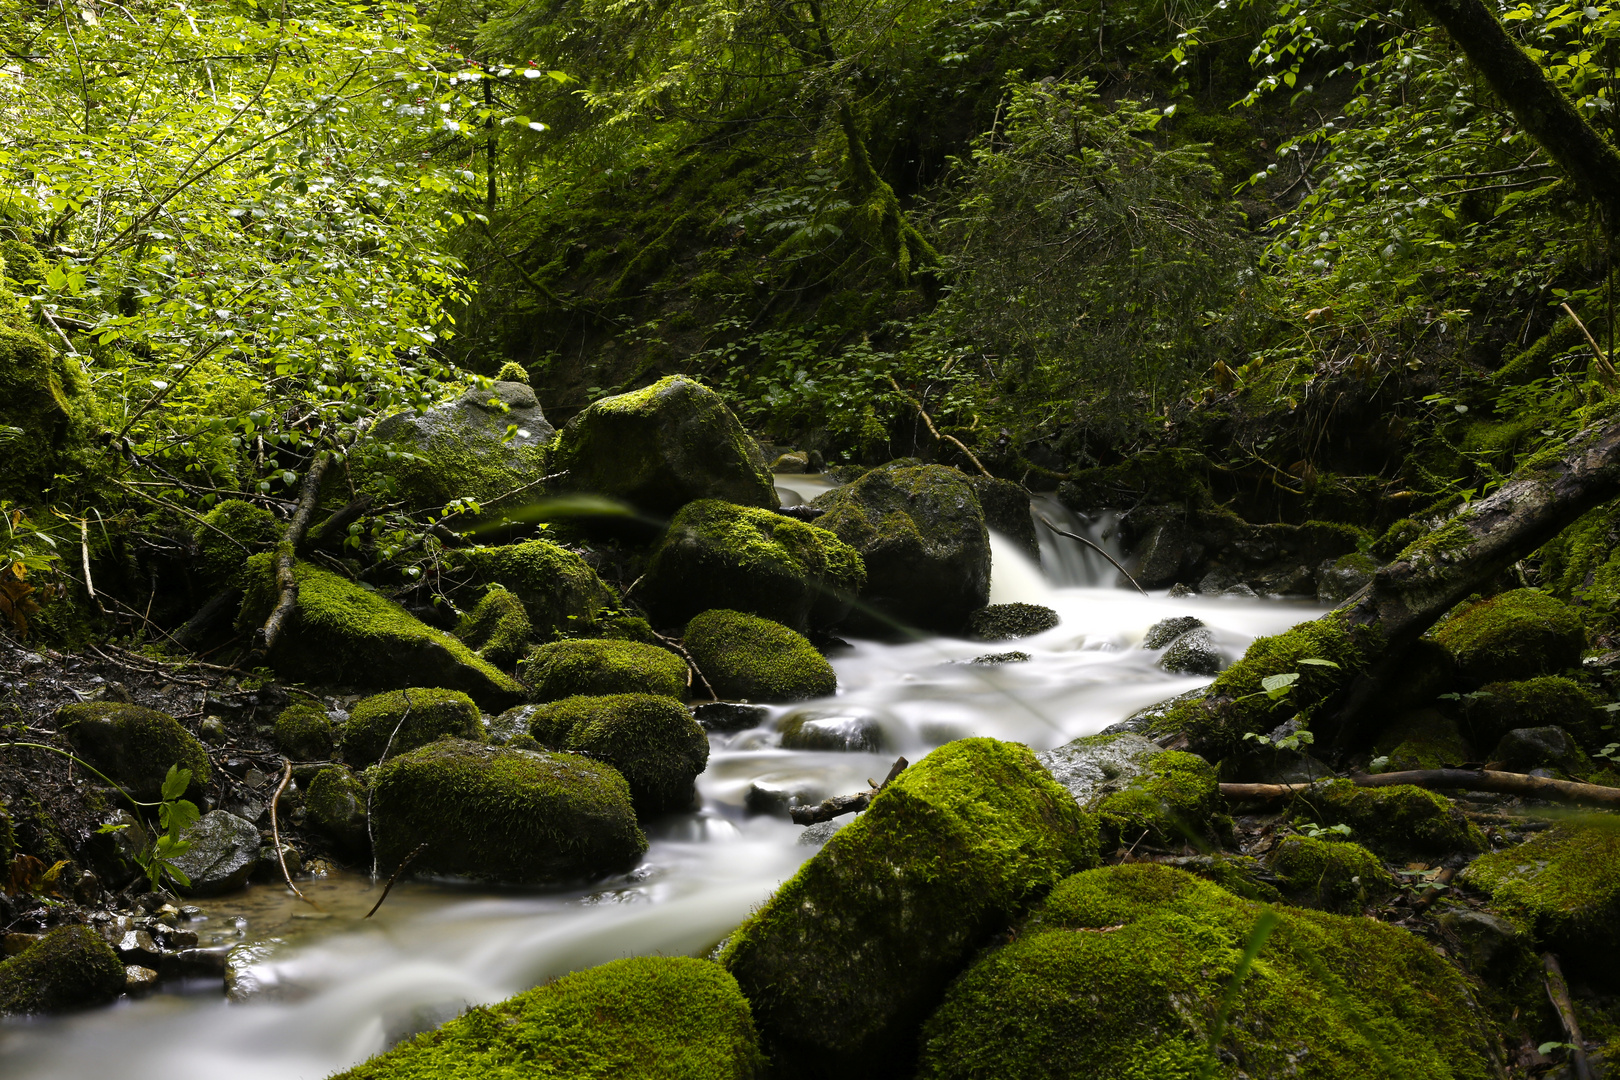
(134, 745)
(1515, 635)
(567, 668)
(1582, 566)
(1124, 969)
(1175, 801)
(498, 627)
(853, 952)
(1398, 822)
(231, 532)
(1499, 707)
(1005, 622)
(651, 739)
(1424, 739)
(645, 1018)
(68, 968)
(1335, 875)
(501, 814)
(754, 659)
(304, 732)
(401, 720)
(336, 804)
(39, 396)
(560, 592)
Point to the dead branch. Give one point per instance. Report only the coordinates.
(1502, 783)
(395, 877)
(692, 668)
(839, 805)
(286, 583)
(1605, 366)
(1558, 994)
(929, 423)
(275, 834)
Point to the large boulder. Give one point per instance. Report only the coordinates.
(602, 666)
(663, 446)
(1515, 635)
(336, 805)
(499, 814)
(642, 1018)
(68, 968)
(754, 659)
(223, 853)
(401, 720)
(342, 633)
(1499, 707)
(134, 746)
(921, 533)
(719, 555)
(651, 739)
(463, 448)
(1122, 973)
(558, 589)
(855, 950)
(1093, 767)
(1006, 510)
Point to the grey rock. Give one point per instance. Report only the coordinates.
(1240, 590)
(1144, 720)
(1193, 653)
(1165, 631)
(1168, 549)
(777, 793)
(135, 946)
(1006, 510)
(223, 854)
(809, 729)
(139, 980)
(1339, 579)
(1181, 589)
(1006, 622)
(243, 977)
(269, 868)
(729, 715)
(1099, 765)
(822, 831)
(1524, 749)
(1486, 942)
(477, 415)
(510, 724)
(996, 659)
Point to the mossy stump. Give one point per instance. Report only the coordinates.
(68, 968)
(134, 746)
(752, 659)
(602, 666)
(401, 720)
(650, 738)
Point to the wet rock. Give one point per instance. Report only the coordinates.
(68, 968)
(1166, 550)
(1515, 635)
(1333, 875)
(402, 720)
(134, 745)
(139, 981)
(1339, 579)
(1095, 766)
(1005, 622)
(661, 447)
(1150, 719)
(137, 946)
(999, 658)
(744, 656)
(223, 854)
(1523, 749)
(818, 834)
(1006, 510)
(336, 802)
(811, 729)
(726, 716)
(717, 555)
(212, 729)
(791, 464)
(1165, 631)
(776, 794)
(1193, 653)
(921, 533)
(243, 979)
(509, 724)
(269, 868)
(592, 666)
(652, 741)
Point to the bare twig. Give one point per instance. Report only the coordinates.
(1605, 366)
(1558, 994)
(929, 422)
(1094, 547)
(395, 877)
(691, 665)
(839, 805)
(275, 835)
(286, 581)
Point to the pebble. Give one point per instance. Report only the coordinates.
(137, 945)
(138, 979)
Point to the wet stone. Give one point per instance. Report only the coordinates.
(1193, 653)
(998, 658)
(137, 945)
(805, 730)
(223, 854)
(729, 715)
(1165, 631)
(776, 795)
(139, 980)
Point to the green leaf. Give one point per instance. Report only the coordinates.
(1277, 685)
(1318, 663)
(175, 783)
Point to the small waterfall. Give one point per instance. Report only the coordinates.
(1068, 562)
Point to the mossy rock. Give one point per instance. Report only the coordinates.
(651, 739)
(1499, 707)
(831, 729)
(663, 446)
(1563, 887)
(1193, 653)
(8, 838)
(501, 814)
(336, 805)
(303, 732)
(853, 952)
(716, 554)
(342, 633)
(642, 1018)
(1398, 822)
(602, 666)
(1515, 635)
(43, 397)
(228, 535)
(498, 627)
(559, 590)
(753, 659)
(68, 968)
(134, 746)
(1007, 622)
(1582, 566)
(1175, 800)
(1121, 973)
(1094, 767)
(1423, 739)
(1006, 510)
(401, 720)
(1334, 875)
(921, 534)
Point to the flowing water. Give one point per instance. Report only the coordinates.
(332, 989)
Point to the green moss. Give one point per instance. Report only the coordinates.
(229, 533)
(1582, 566)
(644, 1018)
(68, 968)
(1005, 622)
(502, 814)
(651, 739)
(753, 659)
(853, 951)
(342, 633)
(304, 732)
(498, 627)
(401, 720)
(336, 804)
(135, 746)
(1499, 707)
(715, 554)
(1512, 636)
(1176, 801)
(512, 372)
(602, 666)
(1335, 875)
(1397, 538)
(1398, 822)
(23, 264)
(38, 397)
(560, 592)
(1424, 739)
(1125, 969)
(663, 446)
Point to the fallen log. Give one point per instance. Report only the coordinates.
(286, 556)
(1501, 783)
(1558, 994)
(839, 805)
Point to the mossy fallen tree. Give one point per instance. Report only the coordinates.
(1492, 780)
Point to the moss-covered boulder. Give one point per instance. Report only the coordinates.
(1094, 767)
(1122, 972)
(835, 729)
(227, 535)
(134, 746)
(853, 952)
(921, 533)
(602, 666)
(68, 968)
(651, 739)
(1499, 707)
(336, 805)
(479, 445)
(754, 659)
(558, 589)
(1422, 739)
(43, 397)
(643, 1018)
(1175, 800)
(498, 627)
(1335, 875)
(401, 720)
(303, 732)
(501, 814)
(716, 554)
(342, 633)
(1563, 887)
(663, 446)
(1515, 635)
(1398, 822)
(1549, 747)
(1007, 622)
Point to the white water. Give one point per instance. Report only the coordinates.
(339, 990)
